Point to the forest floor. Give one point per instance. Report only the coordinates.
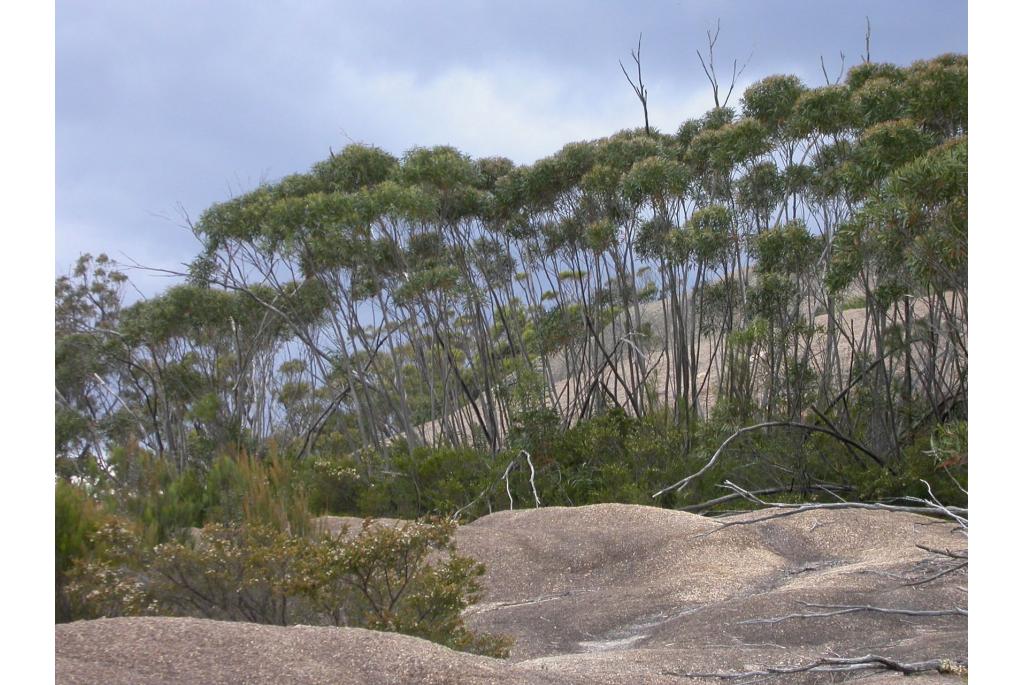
(606, 594)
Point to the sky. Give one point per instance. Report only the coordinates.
(164, 108)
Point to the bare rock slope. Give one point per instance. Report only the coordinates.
(604, 594)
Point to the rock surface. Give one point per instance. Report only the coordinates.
(601, 594)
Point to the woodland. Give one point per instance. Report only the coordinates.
(769, 302)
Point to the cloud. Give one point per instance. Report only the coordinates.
(514, 111)
(193, 102)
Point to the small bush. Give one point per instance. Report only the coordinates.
(406, 579)
(77, 519)
(108, 582)
(429, 481)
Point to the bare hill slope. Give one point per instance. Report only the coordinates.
(570, 387)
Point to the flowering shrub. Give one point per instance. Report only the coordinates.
(106, 583)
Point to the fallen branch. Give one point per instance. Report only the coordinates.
(695, 508)
(790, 509)
(840, 609)
(841, 664)
(936, 576)
(943, 552)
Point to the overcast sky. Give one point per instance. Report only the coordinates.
(162, 105)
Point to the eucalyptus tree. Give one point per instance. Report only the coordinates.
(321, 237)
(459, 284)
(89, 418)
(444, 281)
(786, 256)
(181, 377)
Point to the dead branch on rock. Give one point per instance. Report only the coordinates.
(956, 513)
(840, 609)
(936, 576)
(696, 508)
(840, 665)
(943, 552)
(791, 509)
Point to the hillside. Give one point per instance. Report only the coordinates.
(570, 388)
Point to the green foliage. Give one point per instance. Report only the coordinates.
(709, 234)
(601, 236)
(859, 74)
(442, 168)
(653, 238)
(356, 167)
(335, 482)
(887, 146)
(406, 579)
(854, 302)
(761, 189)
(880, 99)
(265, 492)
(772, 100)
(558, 328)
(828, 110)
(106, 582)
(722, 148)
(907, 477)
(937, 94)
(788, 249)
(77, 520)
(609, 458)
(654, 177)
(949, 444)
(428, 481)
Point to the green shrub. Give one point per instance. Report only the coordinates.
(406, 579)
(108, 582)
(77, 519)
(335, 484)
(429, 481)
(247, 489)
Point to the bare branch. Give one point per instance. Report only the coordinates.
(695, 508)
(789, 509)
(709, 67)
(508, 488)
(842, 68)
(943, 552)
(735, 75)
(867, 41)
(638, 87)
(840, 609)
(936, 576)
(767, 424)
(840, 664)
(714, 83)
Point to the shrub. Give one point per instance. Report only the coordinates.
(107, 582)
(77, 519)
(406, 579)
(429, 481)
